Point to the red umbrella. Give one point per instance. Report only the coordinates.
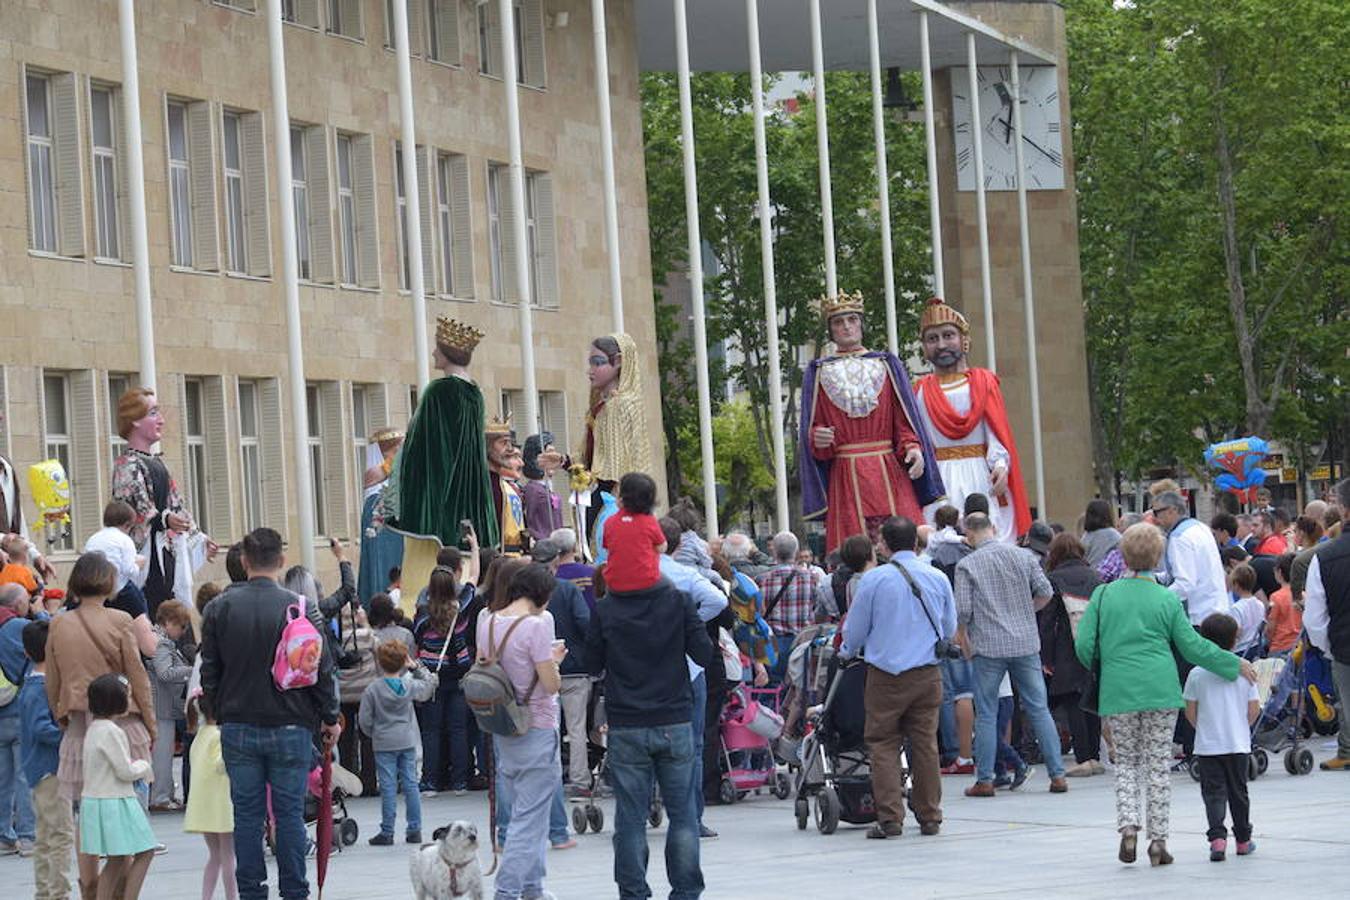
(323, 828)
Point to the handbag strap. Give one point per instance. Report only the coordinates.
(918, 595)
(114, 664)
(773, 604)
(495, 650)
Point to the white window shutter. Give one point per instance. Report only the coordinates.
(351, 18)
(5, 446)
(377, 407)
(506, 217)
(334, 445)
(216, 431)
(272, 455)
(532, 13)
(201, 160)
(86, 454)
(546, 241)
(493, 64)
(307, 12)
(426, 190)
(257, 228)
(179, 381)
(123, 177)
(553, 413)
(416, 28)
(320, 203)
(461, 243)
(447, 30)
(363, 186)
(67, 164)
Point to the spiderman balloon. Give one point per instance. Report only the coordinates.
(1239, 464)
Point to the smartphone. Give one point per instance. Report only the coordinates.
(465, 528)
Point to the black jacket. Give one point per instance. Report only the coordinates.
(1068, 676)
(239, 640)
(571, 622)
(1333, 563)
(638, 640)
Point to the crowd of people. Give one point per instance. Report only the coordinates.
(1128, 641)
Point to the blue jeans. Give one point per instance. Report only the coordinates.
(1029, 682)
(258, 758)
(445, 719)
(398, 768)
(636, 757)
(529, 764)
(17, 819)
(956, 684)
(699, 688)
(1006, 757)
(557, 811)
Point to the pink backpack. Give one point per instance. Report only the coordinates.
(296, 664)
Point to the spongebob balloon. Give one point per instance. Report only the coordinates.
(50, 489)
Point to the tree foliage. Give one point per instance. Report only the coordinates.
(1210, 140)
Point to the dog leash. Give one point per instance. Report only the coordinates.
(492, 801)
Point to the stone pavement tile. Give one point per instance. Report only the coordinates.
(1025, 845)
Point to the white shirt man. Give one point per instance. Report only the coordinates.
(1192, 560)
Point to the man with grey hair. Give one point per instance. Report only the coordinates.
(741, 552)
(572, 569)
(18, 822)
(1192, 565)
(789, 596)
(1326, 615)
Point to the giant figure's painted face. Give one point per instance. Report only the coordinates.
(601, 369)
(846, 330)
(150, 427)
(944, 346)
(499, 450)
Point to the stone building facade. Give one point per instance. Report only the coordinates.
(69, 345)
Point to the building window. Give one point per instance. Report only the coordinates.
(456, 236)
(105, 130)
(300, 202)
(361, 428)
(243, 5)
(56, 432)
(344, 18)
(192, 187)
(250, 452)
(314, 443)
(197, 496)
(552, 414)
(359, 245)
(443, 30)
(300, 12)
(118, 384)
(236, 259)
(415, 17)
(529, 40)
(244, 161)
(540, 236)
(401, 220)
(55, 193)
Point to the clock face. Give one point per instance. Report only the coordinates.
(1042, 149)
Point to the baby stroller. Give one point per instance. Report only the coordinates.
(345, 830)
(749, 723)
(586, 812)
(1289, 709)
(835, 769)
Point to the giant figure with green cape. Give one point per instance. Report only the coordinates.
(440, 477)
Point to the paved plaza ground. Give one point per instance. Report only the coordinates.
(1028, 844)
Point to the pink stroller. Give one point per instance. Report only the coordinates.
(749, 725)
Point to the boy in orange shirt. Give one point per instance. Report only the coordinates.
(14, 556)
(1284, 621)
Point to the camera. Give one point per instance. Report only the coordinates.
(945, 649)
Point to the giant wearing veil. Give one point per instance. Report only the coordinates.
(440, 475)
(862, 454)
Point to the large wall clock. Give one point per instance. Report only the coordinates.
(1042, 148)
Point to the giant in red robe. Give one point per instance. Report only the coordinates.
(866, 398)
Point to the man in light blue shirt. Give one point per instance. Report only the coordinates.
(710, 602)
(896, 631)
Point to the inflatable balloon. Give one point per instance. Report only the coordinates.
(50, 489)
(1239, 464)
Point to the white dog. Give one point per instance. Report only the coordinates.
(447, 868)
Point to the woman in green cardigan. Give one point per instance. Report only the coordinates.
(1127, 634)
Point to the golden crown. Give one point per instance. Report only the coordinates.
(498, 427)
(935, 313)
(840, 304)
(456, 335)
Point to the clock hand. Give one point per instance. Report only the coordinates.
(1053, 157)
